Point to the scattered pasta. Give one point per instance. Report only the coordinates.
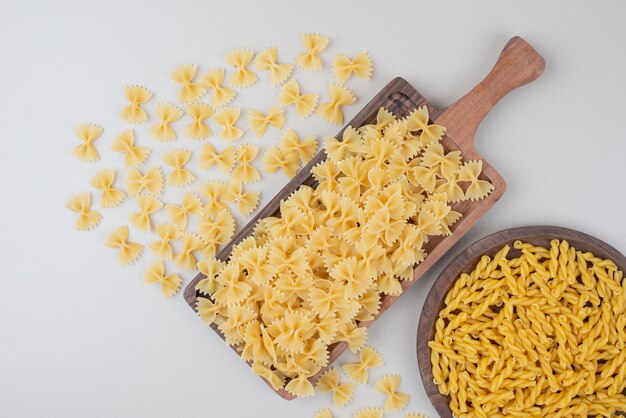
(360, 66)
(167, 114)
(133, 155)
(244, 170)
(224, 160)
(186, 259)
(314, 45)
(414, 415)
(370, 412)
(329, 382)
(227, 118)
(87, 217)
(128, 251)
(369, 358)
(331, 111)
(176, 159)
(275, 158)
(169, 283)
(162, 247)
(304, 148)
(246, 201)
(213, 191)
(191, 205)
(305, 103)
(388, 386)
(268, 61)
(151, 182)
(87, 133)
(136, 95)
(243, 76)
(189, 90)
(534, 332)
(259, 122)
(198, 129)
(147, 205)
(323, 413)
(110, 196)
(220, 96)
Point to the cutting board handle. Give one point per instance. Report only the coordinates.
(517, 65)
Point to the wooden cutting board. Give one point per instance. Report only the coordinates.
(517, 65)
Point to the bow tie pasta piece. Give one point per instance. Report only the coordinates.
(414, 415)
(454, 193)
(418, 121)
(246, 201)
(258, 122)
(136, 95)
(212, 80)
(243, 76)
(291, 331)
(300, 386)
(224, 160)
(314, 44)
(305, 148)
(326, 302)
(354, 335)
(354, 282)
(189, 90)
(447, 163)
(258, 345)
(305, 103)
(268, 61)
(167, 114)
(344, 67)
(370, 412)
(110, 196)
(350, 145)
(214, 192)
(129, 251)
(87, 218)
(191, 204)
(186, 259)
(151, 182)
(244, 171)
(478, 189)
(162, 247)
(323, 413)
(331, 111)
(329, 382)
(176, 159)
(275, 159)
(198, 129)
(227, 118)
(233, 288)
(133, 155)
(369, 358)
(273, 378)
(147, 204)
(219, 229)
(388, 385)
(210, 267)
(87, 133)
(169, 283)
(256, 262)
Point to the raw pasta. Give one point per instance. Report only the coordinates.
(314, 45)
(162, 247)
(110, 196)
(224, 160)
(323, 413)
(189, 90)
(186, 258)
(198, 129)
(369, 358)
(151, 182)
(133, 155)
(128, 251)
(227, 118)
(87, 218)
(147, 205)
(212, 80)
(305, 103)
(370, 412)
(87, 133)
(214, 192)
(167, 114)
(246, 201)
(331, 111)
(268, 61)
(360, 66)
(136, 95)
(176, 159)
(329, 382)
(534, 332)
(244, 170)
(276, 159)
(395, 401)
(243, 76)
(259, 122)
(191, 205)
(304, 148)
(218, 229)
(414, 415)
(169, 283)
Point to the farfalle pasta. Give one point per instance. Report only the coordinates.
(244, 171)
(339, 96)
(186, 259)
(314, 45)
(227, 118)
(87, 217)
(323, 413)
(213, 191)
(179, 176)
(136, 96)
(169, 283)
(360, 66)
(198, 129)
(110, 196)
(304, 148)
(259, 122)
(128, 251)
(191, 205)
(395, 400)
(370, 412)
(268, 61)
(189, 90)
(342, 392)
(220, 95)
(246, 201)
(368, 359)
(305, 103)
(147, 205)
(224, 160)
(162, 247)
(134, 155)
(218, 229)
(243, 76)
(167, 114)
(276, 159)
(151, 182)
(87, 133)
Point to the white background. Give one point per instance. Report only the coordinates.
(81, 336)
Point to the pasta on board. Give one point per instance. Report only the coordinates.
(136, 96)
(87, 133)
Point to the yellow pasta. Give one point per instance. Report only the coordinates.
(344, 67)
(331, 111)
(169, 283)
(224, 160)
(314, 45)
(305, 103)
(220, 96)
(87, 133)
(304, 148)
(244, 171)
(246, 201)
(214, 192)
(133, 155)
(186, 258)
(87, 218)
(268, 61)
(243, 76)
(191, 205)
(370, 412)
(151, 182)
(533, 333)
(276, 159)
(329, 382)
(414, 415)
(259, 122)
(395, 401)
(369, 358)
(189, 90)
(227, 118)
(128, 251)
(323, 413)
(167, 114)
(167, 233)
(110, 196)
(136, 95)
(147, 205)
(176, 159)
(198, 129)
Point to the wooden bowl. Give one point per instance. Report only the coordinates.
(465, 263)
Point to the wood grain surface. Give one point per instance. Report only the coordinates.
(466, 261)
(518, 64)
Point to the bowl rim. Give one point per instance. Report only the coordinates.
(467, 258)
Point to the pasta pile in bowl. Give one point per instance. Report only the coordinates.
(535, 329)
(307, 279)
